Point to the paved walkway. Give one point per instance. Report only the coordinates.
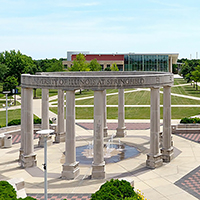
(179, 179)
(164, 183)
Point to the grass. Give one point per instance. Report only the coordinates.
(178, 81)
(186, 90)
(140, 98)
(133, 98)
(4, 102)
(133, 113)
(12, 114)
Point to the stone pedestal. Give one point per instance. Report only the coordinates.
(21, 152)
(70, 171)
(60, 137)
(167, 148)
(167, 154)
(121, 115)
(154, 161)
(98, 171)
(28, 160)
(98, 166)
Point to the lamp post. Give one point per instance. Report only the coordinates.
(45, 133)
(6, 92)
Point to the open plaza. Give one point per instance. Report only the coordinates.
(175, 179)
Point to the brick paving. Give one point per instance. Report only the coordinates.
(17, 138)
(62, 196)
(191, 182)
(195, 137)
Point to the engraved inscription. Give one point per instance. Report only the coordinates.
(88, 81)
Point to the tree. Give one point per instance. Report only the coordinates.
(10, 83)
(17, 63)
(50, 65)
(107, 69)
(196, 75)
(114, 67)
(3, 71)
(79, 64)
(94, 65)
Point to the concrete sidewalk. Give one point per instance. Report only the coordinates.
(155, 184)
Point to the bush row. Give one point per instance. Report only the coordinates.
(187, 120)
(18, 122)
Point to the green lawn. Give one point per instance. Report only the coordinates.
(132, 98)
(140, 98)
(133, 113)
(12, 114)
(178, 81)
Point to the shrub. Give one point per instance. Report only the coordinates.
(7, 191)
(187, 120)
(115, 189)
(14, 122)
(18, 122)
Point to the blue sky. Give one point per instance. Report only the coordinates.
(50, 28)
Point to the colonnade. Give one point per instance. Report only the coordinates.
(70, 169)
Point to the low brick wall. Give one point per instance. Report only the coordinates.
(185, 128)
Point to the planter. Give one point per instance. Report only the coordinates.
(186, 128)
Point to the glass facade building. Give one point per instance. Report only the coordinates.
(143, 62)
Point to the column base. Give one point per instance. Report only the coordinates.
(154, 161)
(167, 154)
(60, 137)
(21, 152)
(28, 160)
(41, 141)
(70, 171)
(121, 132)
(105, 132)
(98, 171)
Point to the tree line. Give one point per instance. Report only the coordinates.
(190, 70)
(14, 63)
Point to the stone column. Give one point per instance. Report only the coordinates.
(121, 114)
(21, 151)
(28, 158)
(170, 64)
(45, 118)
(154, 157)
(98, 165)
(167, 148)
(71, 167)
(60, 135)
(105, 130)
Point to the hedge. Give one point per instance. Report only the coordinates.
(187, 120)
(18, 122)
